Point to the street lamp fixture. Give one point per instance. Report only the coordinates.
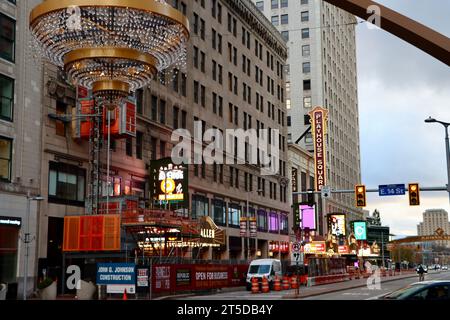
(27, 239)
(447, 147)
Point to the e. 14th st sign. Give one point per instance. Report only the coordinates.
(391, 190)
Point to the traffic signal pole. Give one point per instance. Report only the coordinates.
(368, 190)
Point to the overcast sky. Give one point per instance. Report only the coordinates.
(399, 87)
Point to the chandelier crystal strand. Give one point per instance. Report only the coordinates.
(151, 28)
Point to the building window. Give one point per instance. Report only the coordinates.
(129, 146)
(306, 50)
(7, 37)
(284, 19)
(304, 2)
(262, 220)
(6, 98)
(234, 214)
(5, 158)
(273, 222)
(306, 67)
(307, 102)
(183, 84)
(285, 35)
(203, 96)
(306, 85)
(176, 111)
(154, 102)
(153, 143)
(284, 3)
(66, 184)
(305, 16)
(162, 111)
(275, 20)
(274, 4)
(200, 206)
(139, 100)
(305, 33)
(219, 212)
(139, 144)
(260, 5)
(284, 226)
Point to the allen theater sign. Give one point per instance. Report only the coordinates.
(319, 118)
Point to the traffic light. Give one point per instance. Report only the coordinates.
(311, 197)
(360, 195)
(413, 193)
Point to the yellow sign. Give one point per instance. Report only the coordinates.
(210, 232)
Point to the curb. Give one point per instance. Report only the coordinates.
(342, 289)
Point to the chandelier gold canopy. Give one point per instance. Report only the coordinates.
(111, 46)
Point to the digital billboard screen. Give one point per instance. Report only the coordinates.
(308, 216)
(336, 224)
(360, 230)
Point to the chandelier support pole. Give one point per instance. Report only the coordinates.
(96, 145)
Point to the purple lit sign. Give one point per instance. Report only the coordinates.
(308, 215)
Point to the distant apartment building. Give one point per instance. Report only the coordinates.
(20, 147)
(321, 71)
(434, 219)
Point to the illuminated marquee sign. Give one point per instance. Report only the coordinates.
(168, 182)
(336, 224)
(211, 234)
(319, 118)
(315, 247)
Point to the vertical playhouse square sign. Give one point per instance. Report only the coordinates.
(319, 118)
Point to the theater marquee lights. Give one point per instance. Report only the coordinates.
(319, 118)
(168, 182)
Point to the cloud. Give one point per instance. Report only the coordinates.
(402, 218)
(400, 86)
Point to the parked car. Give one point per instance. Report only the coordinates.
(260, 268)
(425, 290)
(444, 268)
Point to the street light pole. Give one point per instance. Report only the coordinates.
(27, 239)
(447, 148)
(247, 230)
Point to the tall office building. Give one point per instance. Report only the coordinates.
(321, 71)
(434, 219)
(20, 133)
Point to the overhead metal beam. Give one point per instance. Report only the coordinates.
(413, 32)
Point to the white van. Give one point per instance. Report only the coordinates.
(263, 267)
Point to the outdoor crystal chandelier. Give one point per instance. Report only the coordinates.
(110, 46)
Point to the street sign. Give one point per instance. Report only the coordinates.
(391, 190)
(296, 258)
(296, 247)
(325, 191)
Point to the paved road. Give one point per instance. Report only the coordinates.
(362, 293)
(366, 294)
